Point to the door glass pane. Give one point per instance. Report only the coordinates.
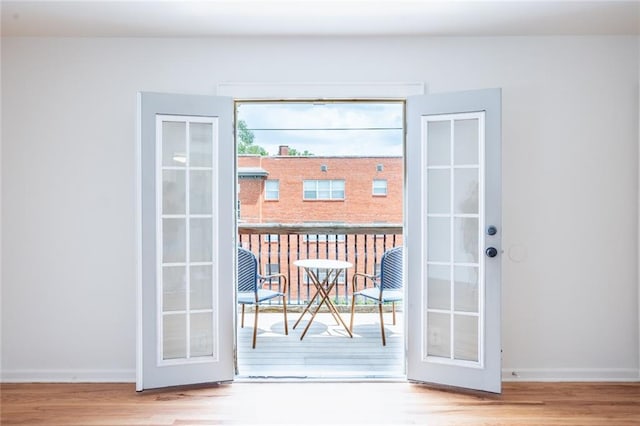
(438, 143)
(200, 192)
(174, 288)
(465, 330)
(438, 241)
(465, 239)
(466, 141)
(173, 240)
(174, 336)
(201, 287)
(201, 151)
(201, 334)
(173, 192)
(438, 287)
(466, 288)
(438, 191)
(201, 240)
(466, 191)
(174, 152)
(439, 334)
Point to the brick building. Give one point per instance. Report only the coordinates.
(292, 189)
(329, 192)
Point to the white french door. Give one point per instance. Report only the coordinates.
(453, 239)
(187, 236)
(186, 283)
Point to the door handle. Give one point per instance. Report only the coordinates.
(491, 252)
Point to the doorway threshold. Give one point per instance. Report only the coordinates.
(319, 379)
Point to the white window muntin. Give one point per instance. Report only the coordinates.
(452, 215)
(323, 189)
(187, 168)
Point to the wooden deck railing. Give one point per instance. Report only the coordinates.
(277, 246)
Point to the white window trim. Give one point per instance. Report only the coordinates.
(305, 91)
(331, 182)
(386, 188)
(160, 264)
(266, 191)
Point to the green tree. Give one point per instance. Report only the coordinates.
(245, 139)
(296, 153)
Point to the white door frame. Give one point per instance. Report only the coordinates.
(328, 91)
(322, 91)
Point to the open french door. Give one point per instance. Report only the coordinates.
(453, 257)
(186, 240)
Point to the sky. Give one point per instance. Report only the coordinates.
(354, 128)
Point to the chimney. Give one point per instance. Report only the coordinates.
(283, 150)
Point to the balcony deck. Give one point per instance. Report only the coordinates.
(326, 351)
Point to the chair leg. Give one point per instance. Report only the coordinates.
(384, 341)
(353, 310)
(242, 320)
(284, 306)
(255, 326)
(393, 309)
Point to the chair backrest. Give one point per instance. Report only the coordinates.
(391, 269)
(247, 271)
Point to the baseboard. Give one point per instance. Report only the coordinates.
(68, 376)
(570, 375)
(508, 375)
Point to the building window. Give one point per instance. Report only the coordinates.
(380, 187)
(271, 238)
(272, 189)
(323, 238)
(323, 189)
(271, 269)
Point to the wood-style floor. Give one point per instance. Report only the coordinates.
(299, 403)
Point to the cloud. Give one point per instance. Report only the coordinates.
(361, 128)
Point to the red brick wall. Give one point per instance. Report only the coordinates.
(359, 205)
(251, 199)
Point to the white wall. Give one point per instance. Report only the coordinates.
(570, 173)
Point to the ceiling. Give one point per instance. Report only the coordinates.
(317, 18)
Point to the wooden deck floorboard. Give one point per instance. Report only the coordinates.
(326, 350)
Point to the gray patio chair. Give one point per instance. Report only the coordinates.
(387, 286)
(250, 291)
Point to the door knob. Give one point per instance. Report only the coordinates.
(491, 252)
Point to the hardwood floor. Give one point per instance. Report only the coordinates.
(316, 403)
